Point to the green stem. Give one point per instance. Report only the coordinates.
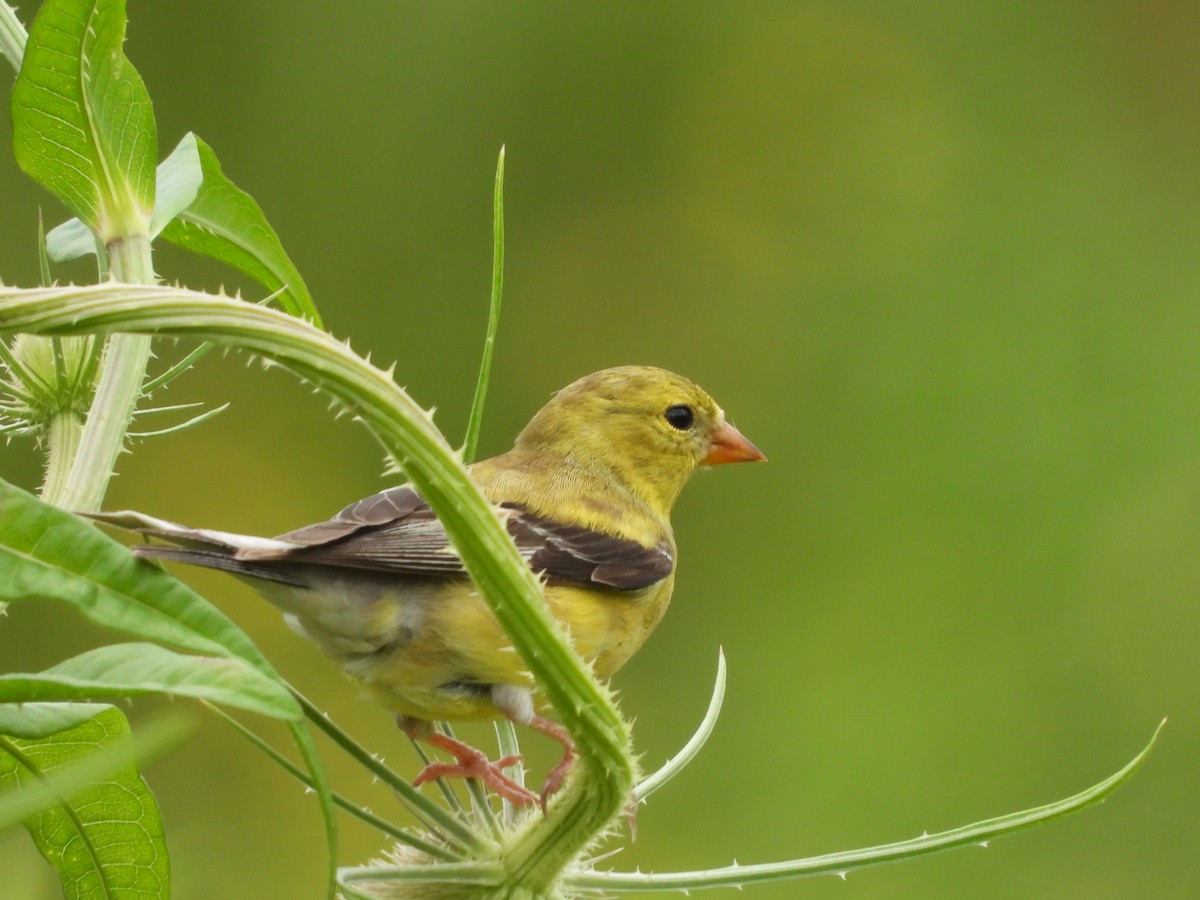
(451, 828)
(470, 873)
(62, 442)
(604, 772)
(120, 387)
(12, 36)
(375, 821)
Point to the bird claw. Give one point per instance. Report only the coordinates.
(554, 780)
(472, 763)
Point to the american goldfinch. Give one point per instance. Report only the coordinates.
(586, 492)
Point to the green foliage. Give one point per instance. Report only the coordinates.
(47, 553)
(177, 181)
(84, 128)
(130, 670)
(475, 422)
(201, 210)
(83, 125)
(105, 838)
(39, 720)
(226, 223)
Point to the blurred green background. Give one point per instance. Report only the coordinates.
(939, 260)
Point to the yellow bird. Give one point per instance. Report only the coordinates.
(586, 493)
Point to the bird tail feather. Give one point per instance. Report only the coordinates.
(214, 559)
(198, 546)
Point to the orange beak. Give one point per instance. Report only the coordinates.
(728, 446)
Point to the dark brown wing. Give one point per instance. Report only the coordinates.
(569, 554)
(395, 531)
(391, 507)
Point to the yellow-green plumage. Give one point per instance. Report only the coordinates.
(589, 486)
(601, 455)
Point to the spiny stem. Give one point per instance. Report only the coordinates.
(451, 827)
(120, 387)
(604, 772)
(62, 445)
(365, 815)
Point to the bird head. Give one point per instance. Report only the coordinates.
(649, 427)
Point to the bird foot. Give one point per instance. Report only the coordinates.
(472, 763)
(558, 774)
(554, 780)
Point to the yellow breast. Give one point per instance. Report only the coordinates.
(443, 665)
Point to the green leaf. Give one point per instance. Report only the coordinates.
(200, 209)
(179, 178)
(39, 720)
(46, 553)
(43, 720)
(126, 670)
(178, 181)
(70, 240)
(226, 223)
(83, 125)
(475, 421)
(104, 838)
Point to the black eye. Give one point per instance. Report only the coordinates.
(679, 417)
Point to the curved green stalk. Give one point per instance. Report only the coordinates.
(475, 422)
(604, 774)
(479, 874)
(978, 834)
(695, 744)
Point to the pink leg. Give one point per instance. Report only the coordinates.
(472, 763)
(556, 732)
(555, 779)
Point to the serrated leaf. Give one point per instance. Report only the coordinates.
(106, 840)
(126, 670)
(178, 179)
(83, 124)
(46, 553)
(226, 223)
